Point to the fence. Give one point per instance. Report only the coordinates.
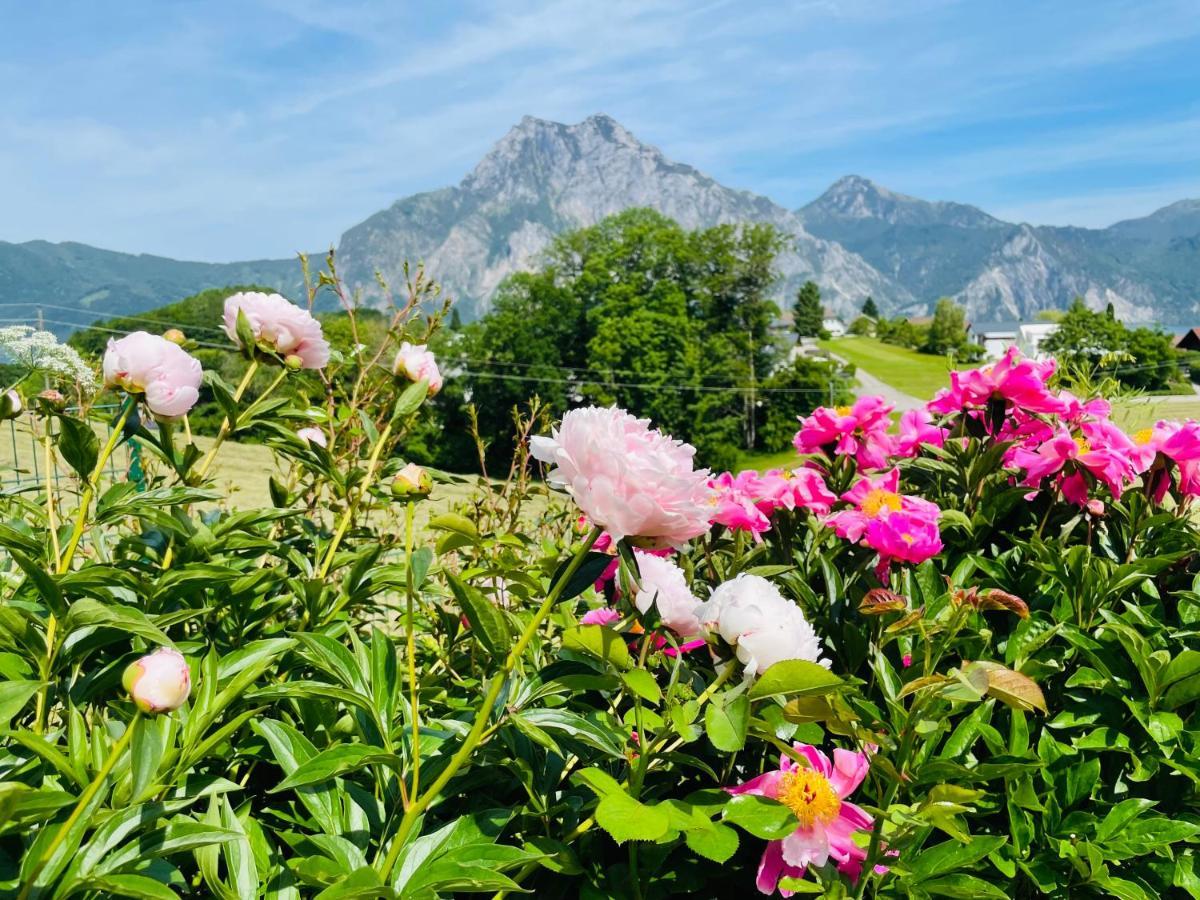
(22, 456)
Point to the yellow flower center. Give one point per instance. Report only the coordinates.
(842, 410)
(1083, 445)
(878, 500)
(1144, 436)
(808, 794)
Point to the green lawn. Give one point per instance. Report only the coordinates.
(918, 374)
(1144, 412)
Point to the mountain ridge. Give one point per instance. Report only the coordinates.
(857, 239)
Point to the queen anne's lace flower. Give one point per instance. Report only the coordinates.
(40, 351)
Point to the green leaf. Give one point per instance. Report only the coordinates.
(726, 720)
(1009, 687)
(456, 524)
(146, 755)
(89, 613)
(1180, 679)
(336, 761)
(760, 816)
(718, 842)
(947, 856)
(138, 886)
(800, 885)
(488, 624)
(585, 576)
(1121, 815)
(642, 683)
(13, 697)
(78, 445)
(600, 642)
(411, 399)
(625, 819)
(966, 886)
(795, 677)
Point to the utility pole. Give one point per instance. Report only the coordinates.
(752, 407)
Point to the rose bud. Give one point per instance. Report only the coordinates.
(412, 482)
(158, 682)
(11, 404)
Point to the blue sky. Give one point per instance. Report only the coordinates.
(249, 129)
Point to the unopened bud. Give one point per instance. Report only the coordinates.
(411, 483)
(175, 336)
(1095, 508)
(11, 404)
(158, 682)
(292, 361)
(313, 436)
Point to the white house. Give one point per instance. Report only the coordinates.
(835, 326)
(996, 338)
(1030, 337)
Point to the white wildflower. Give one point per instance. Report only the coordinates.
(40, 351)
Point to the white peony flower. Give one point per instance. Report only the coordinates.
(664, 584)
(760, 623)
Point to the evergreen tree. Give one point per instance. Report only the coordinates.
(869, 309)
(455, 320)
(808, 315)
(948, 331)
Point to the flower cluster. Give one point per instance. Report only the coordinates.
(859, 431)
(897, 527)
(40, 351)
(747, 500)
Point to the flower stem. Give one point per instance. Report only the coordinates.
(414, 699)
(420, 804)
(352, 506)
(63, 562)
(84, 799)
(226, 425)
(51, 520)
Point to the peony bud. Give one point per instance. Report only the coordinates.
(313, 436)
(175, 336)
(416, 363)
(411, 483)
(1096, 508)
(158, 682)
(293, 362)
(52, 401)
(11, 404)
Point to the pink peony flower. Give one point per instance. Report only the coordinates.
(896, 526)
(860, 431)
(158, 682)
(1101, 449)
(602, 615)
(416, 363)
(1181, 444)
(916, 429)
(663, 583)
(627, 477)
(313, 436)
(1019, 381)
(828, 821)
(162, 372)
(746, 501)
(279, 325)
(760, 623)
(734, 506)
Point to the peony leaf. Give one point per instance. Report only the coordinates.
(795, 677)
(1009, 687)
(600, 642)
(726, 720)
(625, 819)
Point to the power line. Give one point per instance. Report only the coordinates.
(679, 388)
(75, 309)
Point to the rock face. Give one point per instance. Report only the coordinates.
(1149, 268)
(544, 178)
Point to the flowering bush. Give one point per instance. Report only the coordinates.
(952, 655)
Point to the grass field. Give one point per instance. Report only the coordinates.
(918, 374)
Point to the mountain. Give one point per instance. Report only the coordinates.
(1148, 268)
(544, 178)
(74, 284)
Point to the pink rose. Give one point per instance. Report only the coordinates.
(165, 374)
(279, 325)
(158, 682)
(416, 363)
(627, 477)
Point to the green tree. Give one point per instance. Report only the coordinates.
(808, 315)
(1139, 358)
(948, 330)
(869, 309)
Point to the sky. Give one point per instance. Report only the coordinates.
(252, 129)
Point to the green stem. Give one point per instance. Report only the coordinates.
(226, 425)
(420, 804)
(84, 799)
(414, 699)
(352, 506)
(63, 563)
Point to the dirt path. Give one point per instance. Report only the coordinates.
(869, 384)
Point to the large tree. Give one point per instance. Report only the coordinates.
(808, 315)
(1139, 358)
